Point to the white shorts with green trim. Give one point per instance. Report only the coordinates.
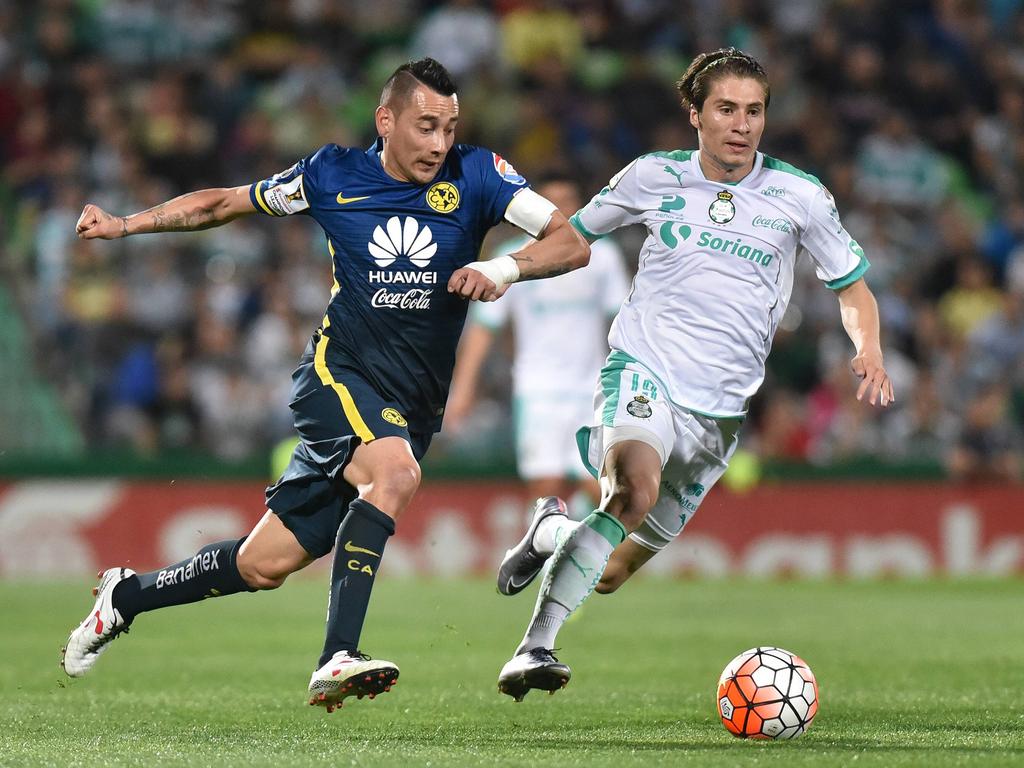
(631, 404)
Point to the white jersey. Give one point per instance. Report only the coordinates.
(561, 323)
(716, 270)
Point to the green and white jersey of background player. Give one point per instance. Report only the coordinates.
(690, 342)
(560, 328)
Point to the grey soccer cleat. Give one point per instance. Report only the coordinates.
(537, 668)
(523, 562)
(104, 622)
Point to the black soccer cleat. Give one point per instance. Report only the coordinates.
(537, 668)
(523, 562)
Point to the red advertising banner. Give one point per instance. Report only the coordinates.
(58, 528)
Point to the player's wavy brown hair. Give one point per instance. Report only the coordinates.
(695, 84)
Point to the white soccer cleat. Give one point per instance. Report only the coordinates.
(537, 668)
(523, 562)
(350, 673)
(90, 638)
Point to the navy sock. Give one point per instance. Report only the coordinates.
(357, 555)
(211, 572)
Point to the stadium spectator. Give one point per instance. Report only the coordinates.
(987, 446)
(74, 113)
(462, 33)
(924, 430)
(971, 301)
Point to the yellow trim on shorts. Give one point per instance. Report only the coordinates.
(348, 405)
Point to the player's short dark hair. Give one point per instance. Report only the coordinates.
(695, 84)
(406, 78)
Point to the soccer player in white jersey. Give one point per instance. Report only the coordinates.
(553, 371)
(725, 224)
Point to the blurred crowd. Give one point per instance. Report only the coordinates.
(911, 112)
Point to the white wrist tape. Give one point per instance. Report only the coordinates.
(500, 271)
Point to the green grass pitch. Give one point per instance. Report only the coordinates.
(910, 674)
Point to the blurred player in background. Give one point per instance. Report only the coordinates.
(725, 224)
(560, 328)
(404, 222)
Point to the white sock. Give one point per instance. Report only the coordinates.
(575, 569)
(552, 530)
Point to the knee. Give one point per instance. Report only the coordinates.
(265, 574)
(398, 483)
(632, 498)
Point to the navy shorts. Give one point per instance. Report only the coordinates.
(335, 409)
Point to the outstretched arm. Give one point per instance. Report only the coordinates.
(193, 211)
(558, 250)
(860, 319)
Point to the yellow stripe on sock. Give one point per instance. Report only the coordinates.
(347, 403)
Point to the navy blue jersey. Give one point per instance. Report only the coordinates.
(394, 246)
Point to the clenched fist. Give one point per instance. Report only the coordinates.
(95, 222)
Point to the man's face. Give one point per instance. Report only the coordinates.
(729, 127)
(417, 138)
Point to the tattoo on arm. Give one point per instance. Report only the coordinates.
(552, 270)
(182, 221)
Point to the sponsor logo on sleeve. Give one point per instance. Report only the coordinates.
(504, 169)
(833, 212)
(287, 198)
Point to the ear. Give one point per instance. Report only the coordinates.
(695, 118)
(384, 119)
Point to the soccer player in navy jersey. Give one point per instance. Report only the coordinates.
(404, 221)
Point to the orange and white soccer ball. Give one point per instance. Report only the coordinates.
(767, 693)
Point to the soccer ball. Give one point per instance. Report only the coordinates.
(767, 693)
